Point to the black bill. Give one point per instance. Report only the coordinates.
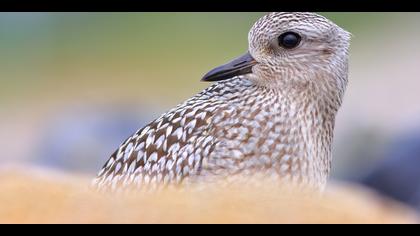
(239, 66)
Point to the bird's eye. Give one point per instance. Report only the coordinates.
(289, 40)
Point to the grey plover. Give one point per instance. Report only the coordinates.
(270, 112)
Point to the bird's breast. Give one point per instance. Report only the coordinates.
(262, 132)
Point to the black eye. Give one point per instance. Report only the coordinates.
(289, 40)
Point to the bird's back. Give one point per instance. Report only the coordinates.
(172, 147)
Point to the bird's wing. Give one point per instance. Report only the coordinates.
(166, 150)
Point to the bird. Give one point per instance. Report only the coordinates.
(269, 113)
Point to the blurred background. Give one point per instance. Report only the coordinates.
(73, 86)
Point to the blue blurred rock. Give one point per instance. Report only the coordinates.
(397, 175)
(82, 139)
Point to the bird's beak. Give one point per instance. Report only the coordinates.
(239, 66)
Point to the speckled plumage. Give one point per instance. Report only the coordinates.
(276, 122)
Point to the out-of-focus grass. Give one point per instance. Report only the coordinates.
(58, 52)
(139, 55)
(30, 197)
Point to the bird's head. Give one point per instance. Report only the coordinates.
(292, 50)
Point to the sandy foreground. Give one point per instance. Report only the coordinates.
(34, 196)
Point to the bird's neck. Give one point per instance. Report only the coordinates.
(310, 125)
(301, 125)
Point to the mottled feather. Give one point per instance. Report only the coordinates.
(275, 122)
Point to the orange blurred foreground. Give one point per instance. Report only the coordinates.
(43, 197)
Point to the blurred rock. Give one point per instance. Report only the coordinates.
(397, 174)
(82, 139)
(39, 196)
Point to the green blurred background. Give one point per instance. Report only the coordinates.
(74, 85)
(138, 55)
